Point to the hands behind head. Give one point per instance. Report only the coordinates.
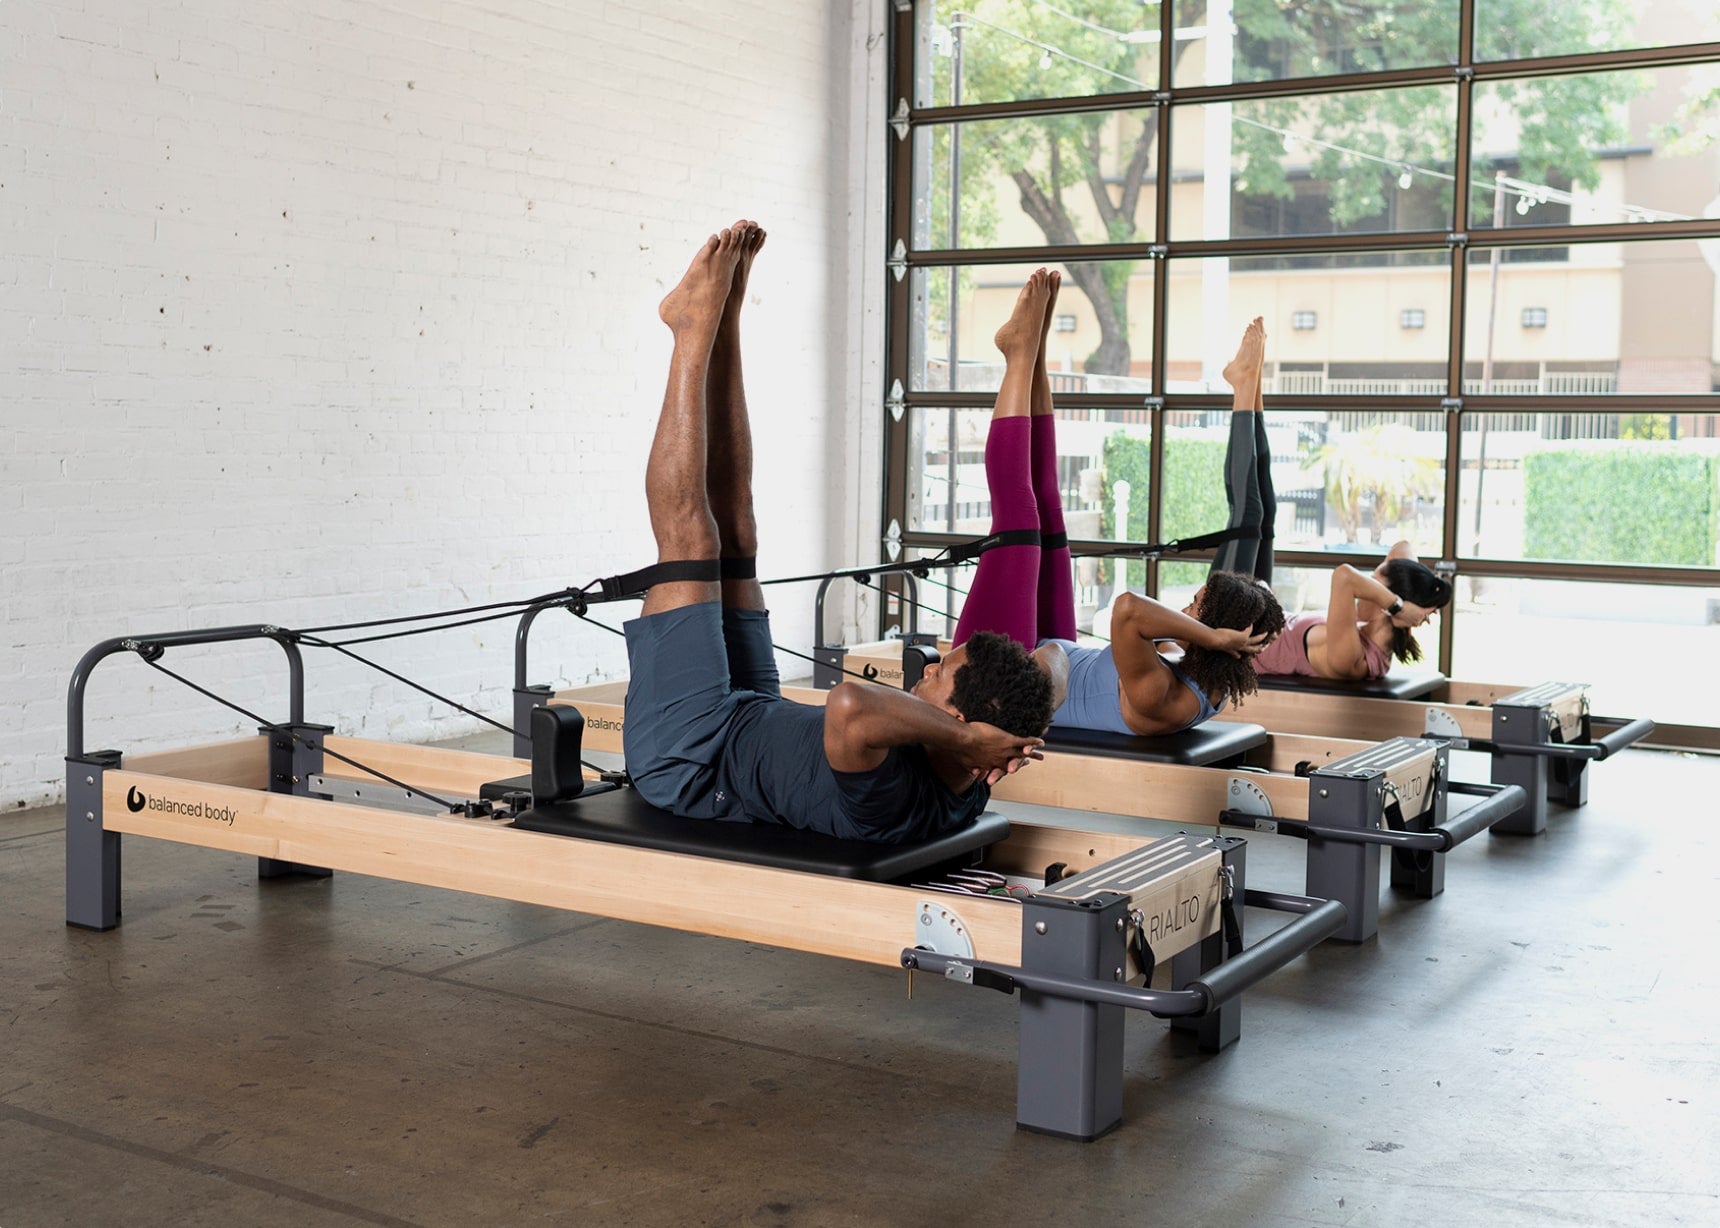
(1412, 615)
(991, 753)
(1237, 642)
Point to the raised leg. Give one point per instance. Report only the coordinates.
(675, 481)
(1247, 462)
(730, 454)
(1056, 576)
(1004, 595)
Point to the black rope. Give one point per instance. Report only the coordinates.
(274, 728)
(315, 642)
(396, 635)
(409, 618)
(778, 647)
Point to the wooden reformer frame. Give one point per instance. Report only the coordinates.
(1066, 948)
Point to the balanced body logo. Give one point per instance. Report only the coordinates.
(136, 800)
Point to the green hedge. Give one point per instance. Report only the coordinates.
(1611, 503)
(1193, 499)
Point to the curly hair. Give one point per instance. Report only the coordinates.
(1413, 581)
(1231, 599)
(1000, 685)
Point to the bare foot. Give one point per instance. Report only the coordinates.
(1243, 371)
(697, 301)
(1020, 333)
(1056, 282)
(752, 239)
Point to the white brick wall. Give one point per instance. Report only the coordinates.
(325, 310)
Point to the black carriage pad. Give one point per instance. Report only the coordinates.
(1205, 744)
(1415, 682)
(623, 817)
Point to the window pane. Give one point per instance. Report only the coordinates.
(1523, 632)
(1592, 318)
(1062, 160)
(1103, 469)
(979, 51)
(1591, 488)
(1596, 149)
(1095, 449)
(1343, 481)
(1359, 163)
(1333, 324)
(1520, 29)
(1270, 43)
(1101, 339)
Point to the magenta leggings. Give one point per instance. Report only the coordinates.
(1023, 592)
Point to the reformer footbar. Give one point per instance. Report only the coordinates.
(255, 795)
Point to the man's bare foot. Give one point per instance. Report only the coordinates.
(1243, 371)
(752, 239)
(697, 301)
(1020, 333)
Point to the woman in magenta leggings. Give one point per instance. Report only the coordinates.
(1027, 591)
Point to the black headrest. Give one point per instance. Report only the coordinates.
(1213, 742)
(1411, 683)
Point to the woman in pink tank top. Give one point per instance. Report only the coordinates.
(1368, 621)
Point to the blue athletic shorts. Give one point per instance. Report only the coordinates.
(692, 669)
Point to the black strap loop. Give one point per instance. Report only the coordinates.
(638, 583)
(1053, 541)
(739, 569)
(1232, 927)
(973, 549)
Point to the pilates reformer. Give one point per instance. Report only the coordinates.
(1357, 799)
(1062, 916)
(1542, 738)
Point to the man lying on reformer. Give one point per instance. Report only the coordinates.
(708, 734)
(1027, 591)
(1369, 615)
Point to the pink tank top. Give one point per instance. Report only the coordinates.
(1288, 654)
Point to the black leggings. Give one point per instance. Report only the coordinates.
(1248, 488)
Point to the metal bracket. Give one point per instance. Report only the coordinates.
(893, 541)
(898, 262)
(897, 402)
(372, 793)
(1451, 405)
(899, 119)
(938, 928)
(1442, 725)
(1247, 798)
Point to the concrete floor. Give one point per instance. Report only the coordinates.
(1536, 1046)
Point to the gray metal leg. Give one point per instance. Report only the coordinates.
(1568, 782)
(1525, 727)
(1070, 1074)
(1348, 873)
(92, 852)
(525, 699)
(1224, 1025)
(292, 762)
